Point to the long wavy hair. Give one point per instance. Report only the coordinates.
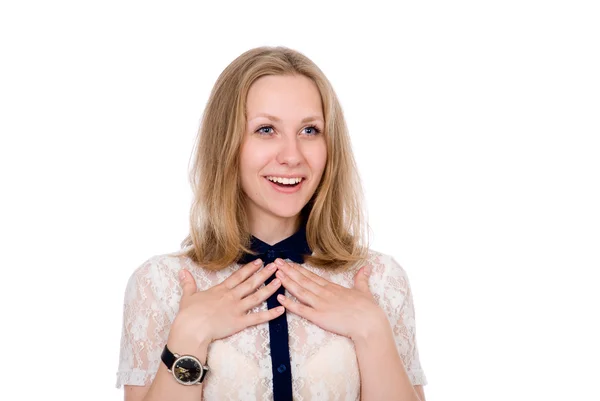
(334, 218)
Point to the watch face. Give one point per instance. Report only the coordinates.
(187, 370)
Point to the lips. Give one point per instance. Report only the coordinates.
(293, 184)
(285, 180)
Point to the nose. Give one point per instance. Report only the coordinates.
(289, 151)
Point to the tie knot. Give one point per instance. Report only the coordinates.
(293, 248)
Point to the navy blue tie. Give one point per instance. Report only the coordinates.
(293, 248)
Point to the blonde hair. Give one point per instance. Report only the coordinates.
(334, 219)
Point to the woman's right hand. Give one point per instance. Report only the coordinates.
(222, 310)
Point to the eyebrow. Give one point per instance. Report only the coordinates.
(278, 120)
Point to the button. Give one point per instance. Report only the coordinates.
(282, 368)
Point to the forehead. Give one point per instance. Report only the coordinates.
(284, 96)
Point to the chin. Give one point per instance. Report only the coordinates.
(285, 211)
(286, 214)
(280, 209)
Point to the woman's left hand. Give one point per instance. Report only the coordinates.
(350, 312)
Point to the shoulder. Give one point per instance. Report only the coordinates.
(388, 281)
(161, 273)
(384, 266)
(155, 280)
(158, 268)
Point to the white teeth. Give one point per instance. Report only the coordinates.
(285, 181)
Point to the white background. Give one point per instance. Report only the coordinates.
(475, 125)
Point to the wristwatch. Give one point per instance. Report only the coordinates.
(186, 369)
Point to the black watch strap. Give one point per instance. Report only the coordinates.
(168, 358)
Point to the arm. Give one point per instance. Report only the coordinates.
(202, 316)
(146, 325)
(387, 356)
(382, 372)
(164, 387)
(393, 336)
(146, 328)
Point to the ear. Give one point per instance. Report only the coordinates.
(361, 279)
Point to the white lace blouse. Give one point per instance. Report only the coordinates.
(324, 365)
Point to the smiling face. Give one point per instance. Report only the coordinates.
(284, 152)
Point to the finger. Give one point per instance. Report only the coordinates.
(242, 274)
(296, 307)
(361, 279)
(298, 277)
(304, 295)
(188, 284)
(255, 281)
(252, 319)
(307, 273)
(261, 295)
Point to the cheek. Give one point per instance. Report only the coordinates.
(250, 157)
(245, 167)
(318, 157)
(253, 159)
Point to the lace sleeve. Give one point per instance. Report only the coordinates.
(147, 319)
(399, 306)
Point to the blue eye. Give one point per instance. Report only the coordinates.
(312, 130)
(265, 130)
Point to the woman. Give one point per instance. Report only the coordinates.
(276, 203)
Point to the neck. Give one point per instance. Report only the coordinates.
(271, 229)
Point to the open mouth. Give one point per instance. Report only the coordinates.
(285, 182)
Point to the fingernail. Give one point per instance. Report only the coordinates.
(271, 266)
(280, 298)
(276, 282)
(280, 309)
(181, 274)
(258, 262)
(280, 274)
(279, 262)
